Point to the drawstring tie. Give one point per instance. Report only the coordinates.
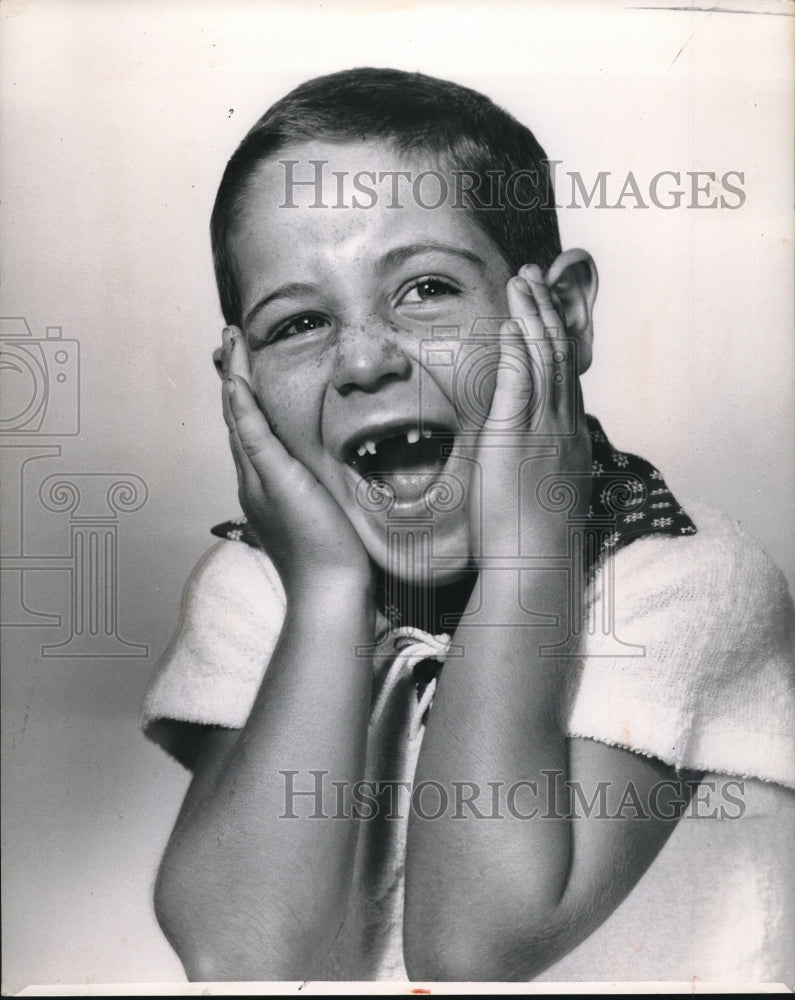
(412, 645)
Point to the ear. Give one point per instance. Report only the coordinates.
(573, 282)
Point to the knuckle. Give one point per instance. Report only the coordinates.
(254, 451)
(249, 430)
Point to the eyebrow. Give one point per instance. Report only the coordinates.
(392, 258)
(398, 255)
(291, 289)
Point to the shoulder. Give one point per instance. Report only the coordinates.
(689, 652)
(721, 569)
(232, 603)
(232, 613)
(233, 569)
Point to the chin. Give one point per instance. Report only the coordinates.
(419, 552)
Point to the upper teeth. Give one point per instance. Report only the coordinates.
(370, 446)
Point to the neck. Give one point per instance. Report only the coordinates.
(432, 609)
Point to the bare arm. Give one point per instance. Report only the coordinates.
(503, 898)
(244, 891)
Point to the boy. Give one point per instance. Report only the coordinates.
(401, 359)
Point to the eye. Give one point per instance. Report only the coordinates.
(296, 325)
(428, 289)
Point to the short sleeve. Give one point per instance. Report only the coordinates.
(689, 654)
(232, 612)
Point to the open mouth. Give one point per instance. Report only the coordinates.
(406, 461)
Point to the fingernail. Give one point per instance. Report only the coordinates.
(523, 286)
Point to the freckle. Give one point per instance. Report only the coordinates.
(392, 350)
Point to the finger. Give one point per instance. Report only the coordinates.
(238, 355)
(532, 306)
(234, 362)
(226, 341)
(254, 434)
(248, 481)
(226, 405)
(550, 317)
(559, 353)
(554, 356)
(531, 319)
(524, 309)
(514, 385)
(247, 477)
(218, 360)
(223, 355)
(257, 441)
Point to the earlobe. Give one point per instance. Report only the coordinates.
(574, 282)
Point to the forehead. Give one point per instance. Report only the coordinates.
(351, 202)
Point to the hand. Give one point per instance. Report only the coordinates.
(537, 415)
(300, 525)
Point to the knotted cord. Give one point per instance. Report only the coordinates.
(412, 645)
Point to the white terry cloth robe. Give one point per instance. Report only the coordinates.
(712, 692)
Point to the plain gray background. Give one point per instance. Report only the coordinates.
(117, 120)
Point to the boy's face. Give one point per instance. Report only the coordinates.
(338, 310)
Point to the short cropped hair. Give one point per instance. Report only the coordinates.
(458, 128)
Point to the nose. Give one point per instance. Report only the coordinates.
(369, 355)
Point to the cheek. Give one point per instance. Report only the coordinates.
(472, 380)
(288, 402)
